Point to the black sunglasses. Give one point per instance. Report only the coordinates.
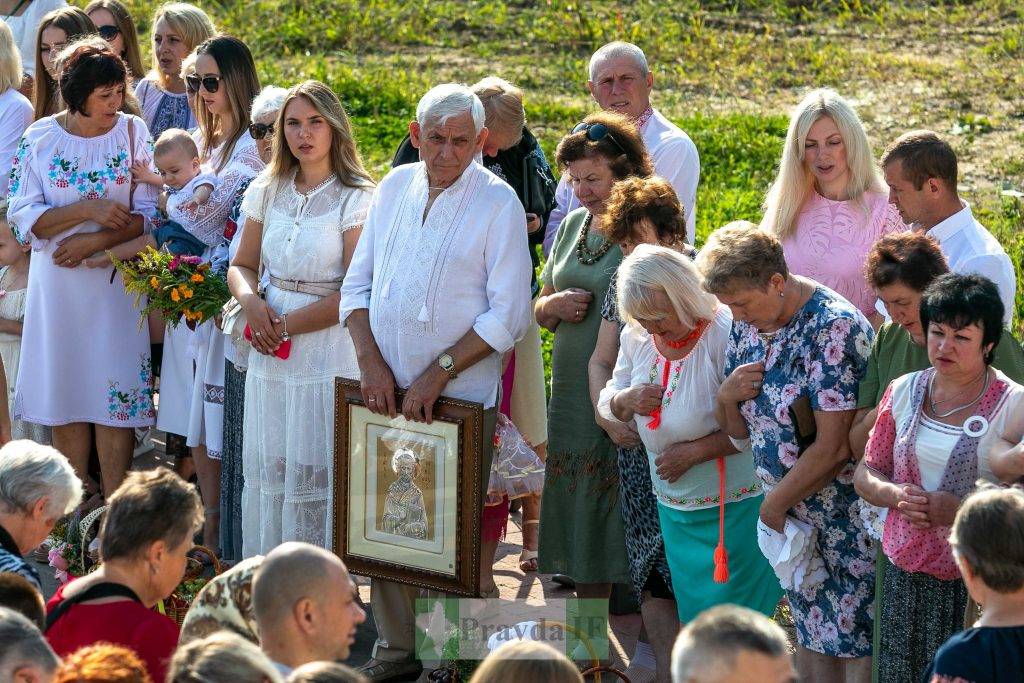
(258, 131)
(210, 83)
(597, 132)
(109, 32)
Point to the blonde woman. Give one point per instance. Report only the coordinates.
(15, 109)
(304, 215)
(177, 29)
(115, 25)
(829, 203)
(226, 83)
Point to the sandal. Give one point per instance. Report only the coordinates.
(528, 557)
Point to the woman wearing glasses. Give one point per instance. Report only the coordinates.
(177, 29)
(115, 25)
(226, 82)
(793, 363)
(581, 532)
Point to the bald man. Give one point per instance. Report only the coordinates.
(306, 606)
(732, 644)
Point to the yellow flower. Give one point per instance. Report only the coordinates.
(187, 292)
(154, 283)
(197, 278)
(175, 296)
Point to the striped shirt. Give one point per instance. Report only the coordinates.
(12, 561)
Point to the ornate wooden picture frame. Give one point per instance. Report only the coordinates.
(407, 499)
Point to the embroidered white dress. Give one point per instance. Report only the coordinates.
(288, 442)
(84, 357)
(192, 402)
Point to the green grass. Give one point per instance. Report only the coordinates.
(726, 71)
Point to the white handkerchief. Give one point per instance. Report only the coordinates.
(792, 554)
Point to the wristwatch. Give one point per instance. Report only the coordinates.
(447, 364)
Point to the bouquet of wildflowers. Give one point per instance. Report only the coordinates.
(176, 287)
(65, 554)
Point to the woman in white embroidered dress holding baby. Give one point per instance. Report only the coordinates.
(85, 365)
(304, 215)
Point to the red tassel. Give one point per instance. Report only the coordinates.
(655, 420)
(721, 564)
(721, 554)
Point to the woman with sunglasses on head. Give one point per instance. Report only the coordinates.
(226, 83)
(23, 17)
(115, 25)
(56, 30)
(177, 29)
(304, 215)
(265, 109)
(581, 531)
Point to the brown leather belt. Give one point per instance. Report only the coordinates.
(320, 289)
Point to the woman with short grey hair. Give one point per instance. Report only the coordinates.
(37, 487)
(264, 112)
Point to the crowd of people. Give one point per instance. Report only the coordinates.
(820, 414)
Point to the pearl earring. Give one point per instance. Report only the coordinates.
(782, 295)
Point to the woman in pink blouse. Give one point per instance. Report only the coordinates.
(829, 204)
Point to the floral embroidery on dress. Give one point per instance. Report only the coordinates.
(14, 179)
(821, 354)
(734, 495)
(136, 402)
(64, 173)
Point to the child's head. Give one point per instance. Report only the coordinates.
(988, 541)
(11, 250)
(176, 157)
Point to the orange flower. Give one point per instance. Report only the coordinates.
(175, 297)
(186, 292)
(197, 278)
(154, 283)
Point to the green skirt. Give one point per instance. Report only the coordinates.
(690, 540)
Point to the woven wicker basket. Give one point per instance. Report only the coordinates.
(176, 606)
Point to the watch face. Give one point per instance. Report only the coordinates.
(446, 361)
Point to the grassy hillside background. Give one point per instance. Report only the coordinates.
(727, 72)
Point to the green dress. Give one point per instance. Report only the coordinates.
(581, 530)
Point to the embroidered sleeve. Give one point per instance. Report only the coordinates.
(356, 288)
(882, 438)
(508, 264)
(840, 355)
(207, 221)
(26, 201)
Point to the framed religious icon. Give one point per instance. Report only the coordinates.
(407, 497)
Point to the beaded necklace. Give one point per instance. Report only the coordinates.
(668, 383)
(585, 255)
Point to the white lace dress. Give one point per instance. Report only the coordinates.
(288, 444)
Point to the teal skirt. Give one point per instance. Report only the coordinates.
(690, 540)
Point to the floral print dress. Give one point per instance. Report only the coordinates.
(820, 354)
(84, 357)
